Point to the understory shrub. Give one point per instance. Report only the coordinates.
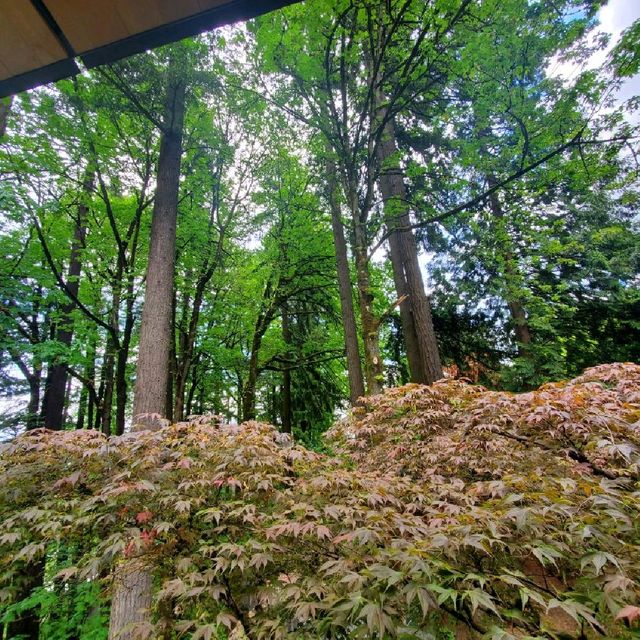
(443, 511)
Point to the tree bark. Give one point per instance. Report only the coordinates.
(132, 593)
(56, 381)
(263, 321)
(286, 374)
(155, 332)
(33, 418)
(352, 349)
(85, 412)
(5, 108)
(107, 376)
(131, 601)
(373, 368)
(415, 310)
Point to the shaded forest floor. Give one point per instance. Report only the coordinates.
(440, 510)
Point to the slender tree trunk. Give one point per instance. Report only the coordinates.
(511, 275)
(249, 392)
(173, 365)
(55, 386)
(286, 374)
(373, 368)
(5, 108)
(262, 324)
(354, 366)
(106, 404)
(155, 332)
(121, 389)
(192, 387)
(67, 396)
(85, 413)
(121, 364)
(187, 344)
(33, 409)
(415, 309)
(82, 408)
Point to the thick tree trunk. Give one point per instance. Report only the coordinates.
(354, 366)
(132, 594)
(155, 332)
(415, 310)
(131, 601)
(286, 374)
(56, 381)
(521, 326)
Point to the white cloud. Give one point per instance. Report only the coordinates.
(614, 18)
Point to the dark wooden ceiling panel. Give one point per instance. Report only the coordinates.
(40, 38)
(26, 41)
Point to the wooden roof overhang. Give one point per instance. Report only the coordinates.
(39, 39)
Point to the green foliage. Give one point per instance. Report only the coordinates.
(443, 507)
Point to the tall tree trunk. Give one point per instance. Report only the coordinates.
(122, 387)
(84, 412)
(33, 417)
(415, 309)
(193, 386)
(132, 594)
(262, 324)
(173, 364)
(55, 386)
(131, 601)
(5, 107)
(354, 366)
(106, 404)
(249, 391)
(373, 368)
(152, 371)
(512, 291)
(121, 362)
(286, 374)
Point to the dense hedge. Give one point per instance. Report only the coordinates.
(448, 511)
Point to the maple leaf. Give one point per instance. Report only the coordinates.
(630, 614)
(143, 517)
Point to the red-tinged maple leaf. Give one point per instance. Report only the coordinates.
(630, 613)
(148, 537)
(143, 517)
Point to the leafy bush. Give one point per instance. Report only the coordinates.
(444, 511)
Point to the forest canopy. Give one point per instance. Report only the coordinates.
(284, 311)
